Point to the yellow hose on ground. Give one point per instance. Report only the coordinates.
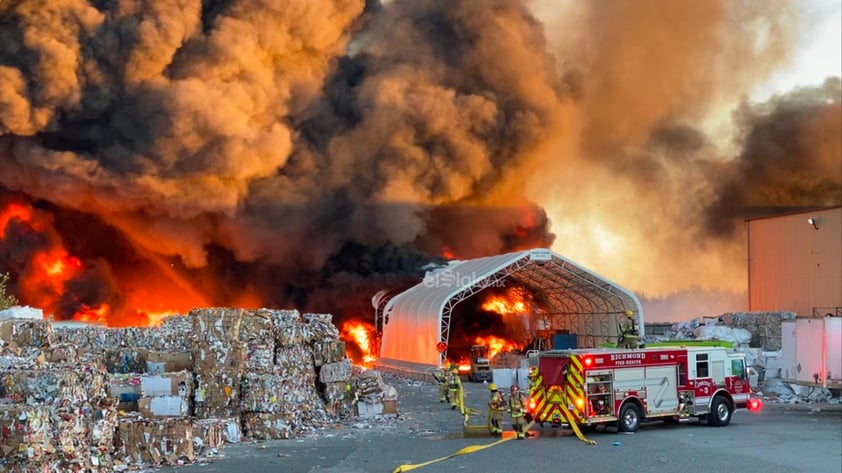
(464, 451)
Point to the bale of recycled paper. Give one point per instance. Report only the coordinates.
(153, 442)
(35, 386)
(209, 357)
(78, 438)
(261, 392)
(338, 397)
(164, 406)
(169, 361)
(217, 394)
(260, 356)
(62, 353)
(125, 360)
(27, 434)
(295, 358)
(217, 323)
(124, 387)
(256, 325)
(320, 327)
(209, 436)
(27, 332)
(167, 384)
(328, 351)
(334, 372)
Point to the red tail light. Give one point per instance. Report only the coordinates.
(588, 361)
(754, 405)
(531, 404)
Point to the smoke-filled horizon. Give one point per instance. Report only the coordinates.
(307, 153)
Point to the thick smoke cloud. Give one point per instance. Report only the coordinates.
(230, 137)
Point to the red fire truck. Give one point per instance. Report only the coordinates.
(588, 387)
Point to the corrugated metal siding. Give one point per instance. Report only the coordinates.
(794, 267)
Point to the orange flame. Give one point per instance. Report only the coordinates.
(360, 334)
(496, 345)
(97, 315)
(17, 212)
(44, 281)
(503, 305)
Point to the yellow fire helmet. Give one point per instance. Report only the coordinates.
(492, 387)
(629, 314)
(454, 371)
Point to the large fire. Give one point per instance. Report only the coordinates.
(513, 301)
(361, 335)
(496, 345)
(50, 278)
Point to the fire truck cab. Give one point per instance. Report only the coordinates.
(588, 387)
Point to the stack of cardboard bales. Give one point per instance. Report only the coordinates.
(281, 399)
(90, 398)
(218, 359)
(54, 415)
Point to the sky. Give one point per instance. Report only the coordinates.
(699, 286)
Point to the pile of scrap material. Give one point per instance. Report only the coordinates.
(372, 396)
(79, 397)
(751, 329)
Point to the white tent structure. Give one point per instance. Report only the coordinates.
(416, 323)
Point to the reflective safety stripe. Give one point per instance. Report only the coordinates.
(575, 384)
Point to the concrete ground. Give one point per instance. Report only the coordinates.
(781, 438)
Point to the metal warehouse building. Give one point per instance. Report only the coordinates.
(795, 262)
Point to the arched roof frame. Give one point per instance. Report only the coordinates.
(592, 304)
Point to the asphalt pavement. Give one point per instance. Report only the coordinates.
(781, 438)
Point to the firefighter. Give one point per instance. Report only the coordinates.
(629, 337)
(496, 407)
(442, 379)
(454, 386)
(517, 409)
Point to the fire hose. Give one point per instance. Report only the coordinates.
(463, 451)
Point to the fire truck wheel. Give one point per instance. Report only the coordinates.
(629, 418)
(720, 412)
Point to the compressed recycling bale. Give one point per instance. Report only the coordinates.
(124, 387)
(260, 356)
(153, 442)
(167, 384)
(12, 362)
(209, 357)
(333, 372)
(320, 327)
(256, 325)
(164, 406)
(275, 392)
(328, 351)
(209, 436)
(338, 398)
(125, 360)
(168, 361)
(216, 323)
(62, 353)
(217, 394)
(298, 358)
(27, 332)
(52, 384)
(84, 436)
(27, 433)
